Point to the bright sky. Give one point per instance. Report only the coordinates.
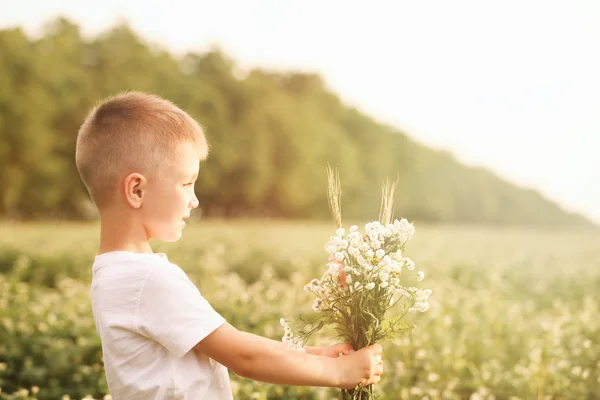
(510, 85)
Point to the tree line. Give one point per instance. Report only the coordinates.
(271, 134)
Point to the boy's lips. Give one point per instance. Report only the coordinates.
(183, 220)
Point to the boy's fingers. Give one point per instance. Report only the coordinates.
(376, 359)
(344, 348)
(347, 348)
(376, 348)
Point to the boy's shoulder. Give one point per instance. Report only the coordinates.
(123, 283)
(127, 267)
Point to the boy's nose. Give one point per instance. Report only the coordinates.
(194, 203)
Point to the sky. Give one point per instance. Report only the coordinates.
(513, 86)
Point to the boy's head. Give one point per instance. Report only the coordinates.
(142, 152)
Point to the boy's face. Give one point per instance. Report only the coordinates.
(170, 198)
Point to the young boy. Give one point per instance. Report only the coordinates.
(139, 157)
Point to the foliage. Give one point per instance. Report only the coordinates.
(271, 135)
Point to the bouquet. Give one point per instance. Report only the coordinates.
(365, 277)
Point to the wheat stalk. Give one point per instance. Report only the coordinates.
(386, 211)
(334, 194)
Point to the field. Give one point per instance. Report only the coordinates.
(515, 312)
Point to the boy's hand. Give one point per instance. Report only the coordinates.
(335, 350)
(363, 366)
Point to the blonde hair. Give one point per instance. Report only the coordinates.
(132, 131)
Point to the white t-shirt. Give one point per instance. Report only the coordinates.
(150, 316)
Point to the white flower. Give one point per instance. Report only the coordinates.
(282, 322)
(339, 256)
(333, 268)
(420, 275)
(348, 279)
(316, 305)
(376, 244)
(340, 232)
(375, 224)
(353, 251)
(384, 277)
(369, 253)
(380, 253)
(368, 227)
(363, 246)
(313, 285)
(584, 375)
(353, 228)
(347, 269)
(405, 229)
(360, 260)
(409, 263)
(370, 285)
(331, 249)
(373, 235)
(344, 244)
(422, 295)
(355, 271)
(383, 285)
(357, 286)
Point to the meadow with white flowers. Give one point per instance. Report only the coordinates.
(514, 313)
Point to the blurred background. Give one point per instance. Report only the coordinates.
(485, 112)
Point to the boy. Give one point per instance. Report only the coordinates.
(139, 157)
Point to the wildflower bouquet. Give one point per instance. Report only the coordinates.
(363, 281)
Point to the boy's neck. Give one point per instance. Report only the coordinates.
(119, 233)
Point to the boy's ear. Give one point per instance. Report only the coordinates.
(135, 187)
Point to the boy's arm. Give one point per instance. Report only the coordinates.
(266, 360)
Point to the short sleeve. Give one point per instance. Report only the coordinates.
(173, 312)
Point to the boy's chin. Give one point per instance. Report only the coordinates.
(170, 236)
(169, 232)
(175, 237)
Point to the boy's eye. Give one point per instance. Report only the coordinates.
(189, 184)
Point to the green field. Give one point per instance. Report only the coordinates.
(515, 312)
